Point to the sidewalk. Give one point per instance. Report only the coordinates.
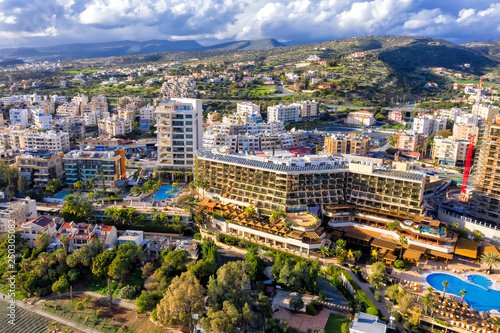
(34, 309)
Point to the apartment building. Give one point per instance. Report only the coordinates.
(48, 105)
(248, 112)
(486, 112)
(294, 184)
(308, 109)
(33, 228)
(114, 126)
(485, 200)
(450, 151)
(9, 156)
(450, 113)
(127, 115)
(339, 143)
(396, 116)
(361, 118)
(18, 211)
(84, 165)
(179, 132)
(40, 166)
(51, 141)
(103, 144)
(19, 117)
(42, 119)
(74, 126)
(97, 104)
(68, 110)
(283, 113)
(147, 115)
(410, 141)
(92, 118)
(428, 124)
(463, 132)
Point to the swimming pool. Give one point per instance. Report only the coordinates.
(478, 296)
(163, 192)
(61, 195)
(441, 230)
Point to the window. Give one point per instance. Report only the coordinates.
(189, 122)
(189, 116)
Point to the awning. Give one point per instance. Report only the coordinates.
(358, 235)
(412, 255)
(389, 257)
(466, 248)
(384, 244)
(337, 233)
(438, 254)
(416, 248)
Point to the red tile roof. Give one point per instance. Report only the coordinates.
(106, 228)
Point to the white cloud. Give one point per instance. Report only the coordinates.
(55, 21)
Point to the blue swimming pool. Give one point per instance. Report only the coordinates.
(480, 280)
(167, 192)
(423, 228)
(61, 195)
(478, 296)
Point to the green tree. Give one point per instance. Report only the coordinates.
(296, 303)
(462, 292)
(102, 262)
(183, 299)
(231, 284)
(225, 320)
(402, 240)
(42, 240)
(60, 286)
(250, 211)
(148, 300)
(377, 272)
(22, 184)
(256, 265)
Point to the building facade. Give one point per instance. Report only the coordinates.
(283, 113)
(40, 166)
(347, 144)
(361, 118)
(179, 132)
(450, 150)
(51, 141)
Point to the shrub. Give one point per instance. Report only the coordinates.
(372, 311)
(310, 309)
(345, 327)
(399, 264)
(378, 296)
(322, 296)
(154, 314)
(128, 292)
(197, 236)
(407, 326)
(397, 316)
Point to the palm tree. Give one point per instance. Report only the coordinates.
(462, 292)
(78, 185)
(430, 289)
(350, 254)
(177, 221)
(496, 322)
(358, 254)
(250, 211)
(375, 253)
(324, 251)
(50, 189)
(402, 240)
(428, 301)
(130, 213)
(192, 186)
(445, 284)
(491, 259)
(90, 183)
(276, 215)
(114, 213)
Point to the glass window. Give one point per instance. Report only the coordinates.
(189, 116)
(188, 122)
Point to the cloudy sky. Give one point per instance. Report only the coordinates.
(25, 23)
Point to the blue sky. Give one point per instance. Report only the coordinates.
(25, 23)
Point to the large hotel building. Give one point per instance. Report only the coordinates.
(294, 184)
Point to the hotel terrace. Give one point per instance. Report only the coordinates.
(300, 231)
(279, 180)
(381, 230)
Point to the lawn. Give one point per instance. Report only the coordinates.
(84, 71)
(476, 82)
(334, 323)
(259, 91)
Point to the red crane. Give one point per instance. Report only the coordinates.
(467, 168)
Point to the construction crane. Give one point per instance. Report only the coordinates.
(463, 195)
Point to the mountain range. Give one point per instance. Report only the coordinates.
(127, 47)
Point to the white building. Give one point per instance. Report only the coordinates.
(51, 140)
(131, 236)
(18, 211)
(450, 150)
(361, 118)
(486, 112)
(179, 131)
(93, 117)
(308, 109)
(114, 126)
(42, 119)
(147, 114)
(428, 124)
(367, 323)
(19, 117)
(40, 225)
(283, 113)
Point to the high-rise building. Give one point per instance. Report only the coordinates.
(51, 141)
(179, 132)
(485, 201)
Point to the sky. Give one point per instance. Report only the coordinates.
(27, 23)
